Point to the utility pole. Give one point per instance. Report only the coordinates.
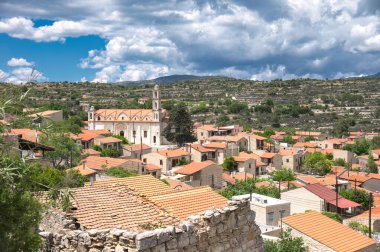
(279, 188)
(370, 216)
(336, 193)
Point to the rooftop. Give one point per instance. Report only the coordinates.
(215, 145)
(100, 163)
(328, 232)
(105, 140)
(173, 153)
(194, 167)
(27, 134)
(136, 147)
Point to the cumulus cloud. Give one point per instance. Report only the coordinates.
(14, 62)
(245, 39)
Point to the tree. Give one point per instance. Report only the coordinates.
(247, 186)
(358, 196)
(20, 212)
(120, 172)
(372, 166)
(361, 147)
(359, 227)
(180, 127)
(229, 164)
(283, 174)
(65, 149)
(343, 125)
(286, 243)
(317, 162)
(110, 152)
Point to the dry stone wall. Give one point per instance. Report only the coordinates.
(231, 228)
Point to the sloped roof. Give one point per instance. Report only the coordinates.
(200, 148)
(99, 163)
(268, 155)
(243, 154)
(83, 171)
(137, 147)
(113, 206)
(152, 167)
(105, 140)
(173, 153)
(90, 152)
(227, 178)
(178, 185)
(225, 138)
(145, 185)
(330, 196)
(215, 145)
(208, 127)
(194, 167)
(185, 203)
(27, 134)
(287, 152)
(305, 144)
(328, 232)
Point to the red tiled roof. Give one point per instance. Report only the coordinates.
(194, 167)
(200, 148)
(330, 196)
(136, 147)
(83, 171)
(329, 232)
(152, 167)
(242, 176)
(100, 163)
(178, 185)
(287, 152)
(268, 155)
(305, 144)
(208, 127)
(173, 153)
(253, 156)
(215, 145)
(227, 177)
(105, 140)
(27, 134)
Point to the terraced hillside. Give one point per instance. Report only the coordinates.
(305, 103)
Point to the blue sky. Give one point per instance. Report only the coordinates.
(117, 40)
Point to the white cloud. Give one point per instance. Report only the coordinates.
(234, 38)
(21, 75)
(13, 62)
(279, 72)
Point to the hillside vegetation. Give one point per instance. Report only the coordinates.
(304, 103)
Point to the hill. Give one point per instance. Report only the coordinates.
(165, 80)
(303, 103)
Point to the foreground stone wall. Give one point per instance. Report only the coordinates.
(231, 228)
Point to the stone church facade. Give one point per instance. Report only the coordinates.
(137, 125)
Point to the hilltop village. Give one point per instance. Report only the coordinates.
(155, 179)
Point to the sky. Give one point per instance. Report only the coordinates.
(129, 40)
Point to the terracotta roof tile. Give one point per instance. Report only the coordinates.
(173, 153)
(152, 167)
(215, 145)
(83, 171)
(27, 134)
(208, 127)
(195, 167)
(268, 155)
(128, 210)
(178, 185)
(242, 175)
(225, 138)
(145, 185)
(136, 147)
(189, 202)
(105, 140)
(305, 144)
(200, 148)
(287, 152)
(100, 163)
(328, 232)
(253, 156)
(227, 177)
(90, 152)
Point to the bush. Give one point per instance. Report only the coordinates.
(358, 196)
(120, 172)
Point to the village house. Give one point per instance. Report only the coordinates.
(292, 159)
(246, 164)
(101, 164)
(319, 198)
(137, 125)
(333, 143)
(108, 142)
(329, 180)
(200, 174)
(204, 132)
(318, 136)
(86, 138)
(90, 152)
(321, 233)
(222, 150)
(136, 150)
(85, 171)
(272, 160)
(199, 153)
(47, 116)
(257, 167)
(363, 219)
(269, 211)
(254, 142)
(234, 143)
(167, 159)
(376, 154)
(148, 215)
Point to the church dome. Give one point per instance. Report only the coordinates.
(156, 87)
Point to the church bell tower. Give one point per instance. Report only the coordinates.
(156, 103)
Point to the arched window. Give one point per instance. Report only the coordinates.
(90, 116)
(121, 133)
(98, 118)
(154, 139)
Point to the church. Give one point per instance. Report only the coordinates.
(137, 125)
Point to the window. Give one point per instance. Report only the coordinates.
(91, 116)
(122, 118)
(282, 213)
(145, 134)
(287, 160)
(161, 162)
(144, 160)
(154, 139)
(121, 133)
(201, 133)
(270, 218)
(249, 166)
(98, 118)
(134, 133)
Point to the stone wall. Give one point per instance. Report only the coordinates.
(231, 228)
